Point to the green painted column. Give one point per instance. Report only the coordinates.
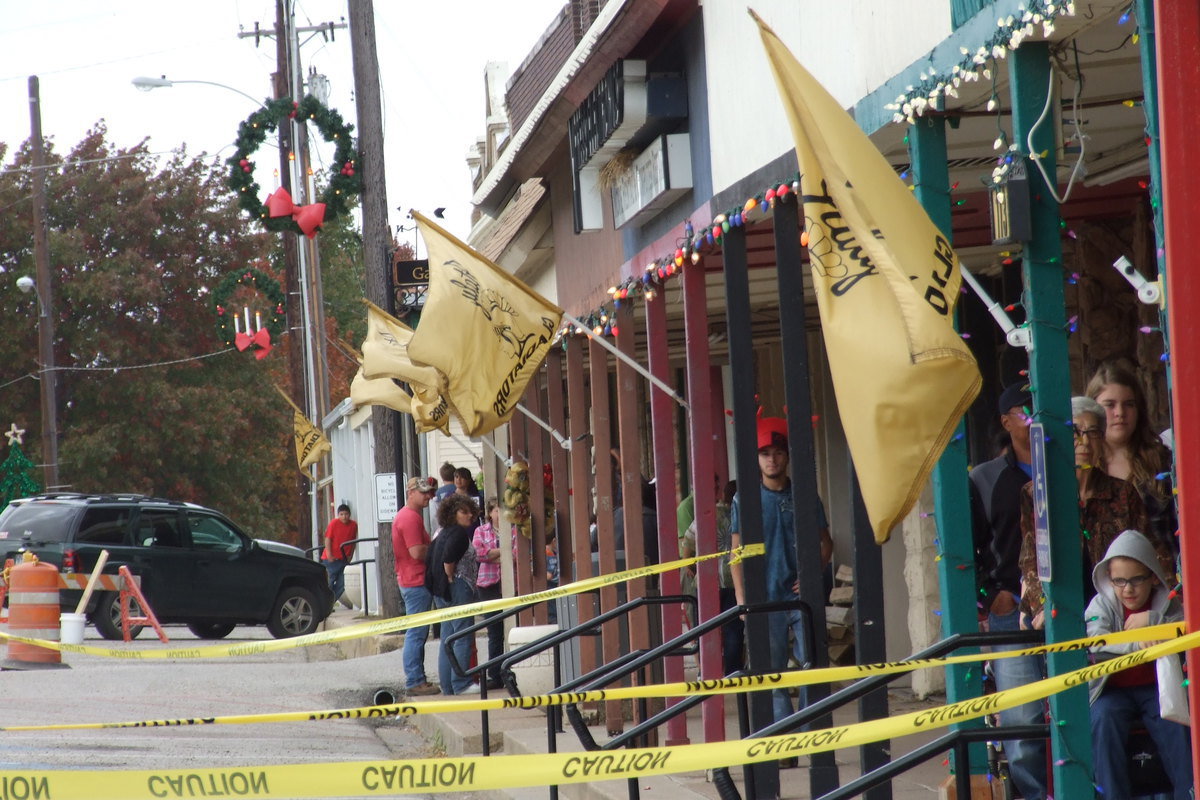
(1148, 49)
(951, 492)
(1029, 67)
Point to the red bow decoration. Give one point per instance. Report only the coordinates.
(261, 339)
(309, 217)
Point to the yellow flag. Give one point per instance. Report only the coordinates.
(482, 328)
(311, 444)
(886, 281)
(385, 356)
(379, 392)
(385, 351)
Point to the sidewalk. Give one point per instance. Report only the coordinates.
(515, 731)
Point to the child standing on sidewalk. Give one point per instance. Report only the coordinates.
(1131, 592)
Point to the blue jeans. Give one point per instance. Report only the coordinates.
(1114, 713)
(778, 624)
(337, 578)
(1026, 757)
(733, 636)
(461, 593)
(495, 629)
(416, 600)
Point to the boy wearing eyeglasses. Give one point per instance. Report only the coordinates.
(1132, 592)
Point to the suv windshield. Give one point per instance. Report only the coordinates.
(37, 522)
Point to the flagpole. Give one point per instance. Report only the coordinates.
(645, 373)
(563, 442)
(465, 446)
(507, 461)
(1017, 337)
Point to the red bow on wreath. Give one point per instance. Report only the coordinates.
(309, 217)
(260, 338)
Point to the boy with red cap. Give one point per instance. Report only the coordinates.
(779, 539)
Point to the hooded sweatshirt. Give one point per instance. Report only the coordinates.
(1106, 614)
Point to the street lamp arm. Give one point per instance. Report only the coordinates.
(146, 84)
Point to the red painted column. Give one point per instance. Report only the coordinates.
(695, 326)
(605, 532)
(536, 438)
(557, 416)
(1178, 30)
(581, 492)
(662, 417)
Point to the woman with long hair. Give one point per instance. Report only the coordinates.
(1132, 450)
(1107, 506)
(450, 574)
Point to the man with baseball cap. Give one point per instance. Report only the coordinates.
(996, 521)
(410, 540)
(779, 539)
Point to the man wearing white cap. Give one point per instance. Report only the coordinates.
(410, 540)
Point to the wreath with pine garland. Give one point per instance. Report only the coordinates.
(344, 181)
(256, 279)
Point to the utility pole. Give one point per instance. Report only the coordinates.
(45, 292)
(376, 239)
(308, 374)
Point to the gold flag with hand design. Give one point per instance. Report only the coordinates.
(486, 331)
(385, 355)
(886, 281)
(311, 443)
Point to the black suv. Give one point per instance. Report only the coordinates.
(196, 567)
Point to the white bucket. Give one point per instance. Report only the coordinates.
(71, 627)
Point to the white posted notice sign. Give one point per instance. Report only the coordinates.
(385, 497)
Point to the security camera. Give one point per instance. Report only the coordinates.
(25, 284)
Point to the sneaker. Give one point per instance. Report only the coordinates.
(472, 689)
(423, 688)
(494, 683)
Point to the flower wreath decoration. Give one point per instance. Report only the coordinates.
(276, 319)
(344, 181)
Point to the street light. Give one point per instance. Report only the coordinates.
(46, 378)
(148, 84)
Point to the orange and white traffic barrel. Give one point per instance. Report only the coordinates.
(33, 612)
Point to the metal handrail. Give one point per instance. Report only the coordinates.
(506, 660)
(362, 561)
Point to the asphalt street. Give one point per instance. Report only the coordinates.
(97, 689)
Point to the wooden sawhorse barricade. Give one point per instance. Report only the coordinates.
(124, 582)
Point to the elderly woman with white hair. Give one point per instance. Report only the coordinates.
(1107, 506)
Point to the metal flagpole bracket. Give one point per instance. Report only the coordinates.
(1016, 336)
(645, 373)
(1149, 292)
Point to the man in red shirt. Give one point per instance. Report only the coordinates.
(410, 540)
(338, 551)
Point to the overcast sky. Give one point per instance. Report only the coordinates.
(432, 57)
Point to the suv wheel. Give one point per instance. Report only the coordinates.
(107, 616)
(211, 630)
(294, 614)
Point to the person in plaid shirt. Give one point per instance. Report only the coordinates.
(486, 542)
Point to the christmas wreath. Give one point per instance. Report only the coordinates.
(344, 181)
(276, 320)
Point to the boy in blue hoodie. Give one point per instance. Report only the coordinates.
(1132, 593)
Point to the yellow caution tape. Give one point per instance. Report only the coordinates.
(392, 625)
(775, 680)
(399, 777)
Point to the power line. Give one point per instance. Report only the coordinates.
(34, 375)
(78, 162)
